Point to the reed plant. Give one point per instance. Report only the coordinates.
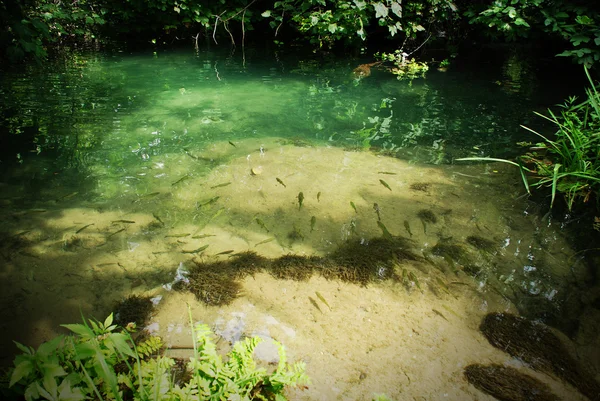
(569, 162)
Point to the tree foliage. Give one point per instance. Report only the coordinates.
(575, 22)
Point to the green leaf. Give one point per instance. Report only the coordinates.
(80, 329)
(119, 340)
(381, 11)
(22, 370)
(397, 9)
(266, 14)
(49, 348)
(108, 321)
(332, 28)
(67, 393)
(25, 349)
(52, 370)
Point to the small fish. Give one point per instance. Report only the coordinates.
(264, 241)
(386, 233)
(209, 202)
(315, 304)
(106, 264)
(376, 208)
(353, 227)
(196, 250)
(414, 279)
(69, 196)
(300, 200)
(146, 196)
(225, 252)
(123, 221)
(177, 235)
(185, 177)
(442, 284)
(322, 299)
(281, 182)
(386, 172)
(221, 185)
(261, 224)
(318, 196)
(353, 207)
(232, 144)
(424, 226)
(437, 312)
(116, 232)
(385, 184)
(158, 218)
(407, 227)
(221, 210)
(83, 228)
(203, 236)
(404, 276)
(313, 221)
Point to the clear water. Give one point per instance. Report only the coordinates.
(150, 138)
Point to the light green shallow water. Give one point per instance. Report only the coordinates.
(139, 154)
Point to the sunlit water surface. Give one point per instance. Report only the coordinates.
(138, 160)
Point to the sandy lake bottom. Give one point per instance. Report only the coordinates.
(70, 253)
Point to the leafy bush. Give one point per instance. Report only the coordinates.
(102, 362)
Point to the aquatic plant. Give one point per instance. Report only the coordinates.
(101, 361)
(535, 344)
(570, 163)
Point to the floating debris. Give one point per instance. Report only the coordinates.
(256, 170)
(221, 185)
(385, 184)
(281, 182)
(300, 200)
(507, 383)
(83, 228)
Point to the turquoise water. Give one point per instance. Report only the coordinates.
(115, 167)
